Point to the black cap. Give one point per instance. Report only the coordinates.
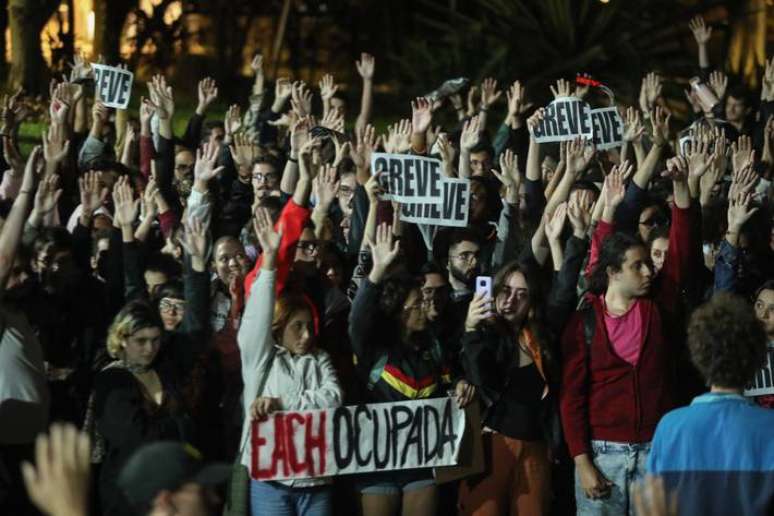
(166, 465)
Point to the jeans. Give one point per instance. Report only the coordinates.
(274, 499)
(621, 463)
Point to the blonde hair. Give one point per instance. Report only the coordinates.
(133, 317)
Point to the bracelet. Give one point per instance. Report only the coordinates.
(292, 159)
(25, 191)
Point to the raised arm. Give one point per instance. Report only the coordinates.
(701, 33)
(365, 67)
(471, 134)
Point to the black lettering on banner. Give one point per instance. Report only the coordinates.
(562, 118)
(361, 460)
(449, 190)
(583, 120)
(459, 202)
(399, 423)
(423, 176)
(435, 178)
(431, 429)
(414, 438)
(343, 452)
(616, 126)
(408, 177)
(550, 119)
(396, 177)
(380, 163)
(381, 463)
(573, 120)
(447, 434)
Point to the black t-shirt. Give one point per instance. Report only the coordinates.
(517, 413)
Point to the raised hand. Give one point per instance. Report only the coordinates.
(742, 153)
(149, 196)
(421, 114)
(32, 169)
(343, 149)
(80, 69)
(373, 188)
(699, 159)
(326, 186)
(677, 169)
(563, 89)
(470, 133)
(633, 127)
(579, 154)
(718, 82)
(767, 86)
(282, 91)
(242, 149)
(659, 119)
(739, 210)
(257, 64)
(615, 186)
(535, 119)
(579, 211)
(333, 120)
(48, 194)
(162, 97)
(489, 93)
(206, 159)
(309, 159)
(299, 134)
(208, 93)
(61, 102)
(268, 238)
(55, 145)
(146, 113)
(383, 251)
(92, 193)
(365, 146)
(125, 205)
(301, 99)
(517, 105)
(99, 113)
(701, 33)
(195, 241)
(366, 65)
(479, 310)
(555, 223)
(650, 91)
(328, 87)
(447, 152)
(744, 180)
(472, 94)
(58, 482)
(233, 120)
(509, 174)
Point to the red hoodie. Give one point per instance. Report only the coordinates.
(606, 398)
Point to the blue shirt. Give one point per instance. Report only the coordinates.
(718, 455)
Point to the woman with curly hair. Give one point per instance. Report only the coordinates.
(399, 359)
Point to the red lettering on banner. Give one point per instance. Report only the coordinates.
(256, 441)
(280, 453)
(295, 466)
(317, 442)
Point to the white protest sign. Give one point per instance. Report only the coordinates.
(113, 85)
(763, 383)
(451, 212)
(357, 439)
(608, 128)
(565, 118)
(408, 178)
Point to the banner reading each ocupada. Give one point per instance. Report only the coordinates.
(567, 118)
(113, 85)
(451, 212)
(763, 383)
(408, 178)
(357, 439)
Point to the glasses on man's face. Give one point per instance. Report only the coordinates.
(345, 191)
(466, 256)
(307, 246)
(169, 306)
(268, 178)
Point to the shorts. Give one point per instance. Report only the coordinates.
(396, 482)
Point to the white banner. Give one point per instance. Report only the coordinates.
(566, 118)
(408, 178)
(608, 128)
(113, 85)
(763, 383)
(357, 439)
(451, 212)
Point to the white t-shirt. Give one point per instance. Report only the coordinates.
(24, 395)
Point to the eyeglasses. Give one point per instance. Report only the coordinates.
(346, 191)
(467, 256)
(307, 246)
(269, 177)
(165, 305)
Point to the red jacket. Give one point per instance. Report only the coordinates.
(602, 396)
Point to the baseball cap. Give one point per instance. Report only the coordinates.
(166, 465)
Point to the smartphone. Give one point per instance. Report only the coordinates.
(484, 285)
(704, 94)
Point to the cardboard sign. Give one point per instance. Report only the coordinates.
(608, 128)
(452, 210)
(763, 383)
(113, 85)
(357, 439)
(407, 178)
(566, 118)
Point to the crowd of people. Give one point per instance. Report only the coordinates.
(161, 291)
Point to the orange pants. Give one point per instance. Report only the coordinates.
(516, 482)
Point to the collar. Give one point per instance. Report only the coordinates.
(714, 397)
(458, 295)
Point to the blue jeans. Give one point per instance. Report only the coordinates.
(274, 499)
(621, 463)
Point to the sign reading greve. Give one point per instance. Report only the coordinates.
(567, 118)
(113, 85)
(357, 439)
(425, 194)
